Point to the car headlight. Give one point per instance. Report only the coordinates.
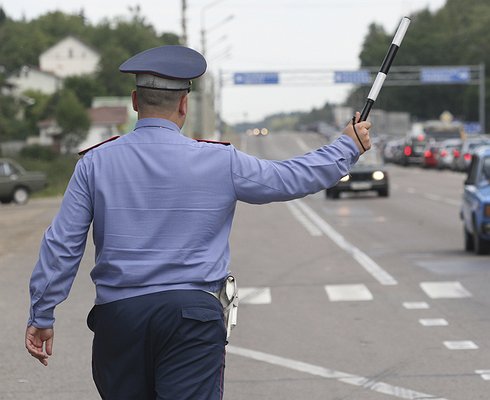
(487, 210)
(378, 175)
(345, 178)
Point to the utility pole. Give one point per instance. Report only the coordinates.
(184, 23)
(482, 96)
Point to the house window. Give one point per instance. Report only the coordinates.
(70, 53)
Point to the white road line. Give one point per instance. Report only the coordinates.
(430, 322)
(302, 144)
(416, 305)
(484, 373)
(348, 293)
(440, 199)
(363, 259)
(366, 383)
(444, 290)
(303, 220)
(461, 345)
(254, 295)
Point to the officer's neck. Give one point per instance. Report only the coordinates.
(173, 117)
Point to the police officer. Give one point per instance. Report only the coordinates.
(162, 205)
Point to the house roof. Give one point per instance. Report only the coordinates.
(108, 115)
(71, 37)
(31, 68)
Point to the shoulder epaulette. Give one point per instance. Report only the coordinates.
(83, 152)
(213, 142)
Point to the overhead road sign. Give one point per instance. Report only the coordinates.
(256, 78)
(361, 76)
(445, 75)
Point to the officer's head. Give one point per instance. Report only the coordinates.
(163, 79)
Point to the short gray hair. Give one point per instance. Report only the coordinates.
(164, 100)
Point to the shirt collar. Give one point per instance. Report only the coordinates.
(156, 123)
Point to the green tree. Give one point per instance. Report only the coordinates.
(3, 16)
(35, 112)
(72, 118)
(457, 34)
(20, 44)
(57, 25)
(112, 82)
(85, 88)
(12, 127)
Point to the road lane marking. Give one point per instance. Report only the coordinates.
(366, 383)
(484, 373)
(303, 220)
(416, 305)
(444, 290)
(348, 292)
(440, 199)
(254, 295)
(302, 144)
(460, 345)
(429, 322)
(363, 259)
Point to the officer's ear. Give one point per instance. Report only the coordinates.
(183, 106)
(134, 99)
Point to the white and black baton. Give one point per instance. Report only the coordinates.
(385, 67)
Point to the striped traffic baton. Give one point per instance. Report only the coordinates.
(385, 67)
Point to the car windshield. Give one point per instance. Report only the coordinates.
(441, 133)
(473, 146)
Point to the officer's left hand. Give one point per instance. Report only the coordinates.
(39, 343)
(362, 139)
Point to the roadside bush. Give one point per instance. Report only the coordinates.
(38, 152)
(58, 170)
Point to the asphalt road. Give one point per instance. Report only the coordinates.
(362, 298)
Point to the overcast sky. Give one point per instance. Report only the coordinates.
(263, 35)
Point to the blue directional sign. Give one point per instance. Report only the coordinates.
(256, 78)
(472, 127)
(359, 77)
(445, 75)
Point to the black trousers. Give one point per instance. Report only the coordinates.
(163, 346)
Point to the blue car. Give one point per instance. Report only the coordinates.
(475, 211)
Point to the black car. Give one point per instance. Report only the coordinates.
(16, 184)
(368, 174)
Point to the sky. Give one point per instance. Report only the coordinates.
(258, 36)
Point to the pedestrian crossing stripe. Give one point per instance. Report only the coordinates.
(360, 292)
(357, 292)
(445, 290)
(254, 295)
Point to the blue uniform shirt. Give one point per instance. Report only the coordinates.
(162, 206)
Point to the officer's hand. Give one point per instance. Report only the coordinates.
(39, 343)
(362, 140)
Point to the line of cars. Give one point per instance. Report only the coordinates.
(446, 153)
(442, 146)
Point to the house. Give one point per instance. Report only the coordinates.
(69, 57)
(31, 78)
(49, 135)
(105, 122)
